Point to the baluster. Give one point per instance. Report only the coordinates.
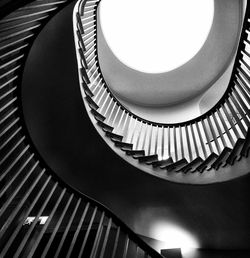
(103, 103)
(27, 234)
(195, 141)
(127, 127)
(214, 135)
(230, 121)
(18, 172)
(226, 128)
(163, 142)
(110, 100)
(79, 227)
(97, 91)
(116, 242)
(206, 136)
(17, 209)
(8, 115)
(150, 139)
(97, 238)
(65, 233)
(169, 143)
(175, 144)
(14, 194)
(235, 116)
(120, 121)
(137, 140)
(125, 123)
(243, 91)
(188, 144)
(118, 107)
(182, 144)
(156, 139)
(110, 111)
(55, 230)
(98, 99)
(45, 226)
(106, 238)
(242, 102)
(87, 233)
(219, 130)
(125, 251)
(240, 109)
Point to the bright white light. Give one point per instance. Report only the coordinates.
(173, 236)
(29, 220)
(156, 36)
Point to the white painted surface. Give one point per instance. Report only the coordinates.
(189, 80)
(156, 36)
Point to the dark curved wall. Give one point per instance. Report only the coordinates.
(217, 215)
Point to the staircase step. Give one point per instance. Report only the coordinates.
(83, 58)
(79, 23)
(105, 127)
(98, 116)
(123, 145)
(176, 165)
(148, 159)
(113, 136)
(245, 149)
(136, 153)
(91, 102)
(207, 164)
(192, 166)
(84, 75)
(87, 90)
(236, 152)
(80, 40)
(221, 160)
(163, 163)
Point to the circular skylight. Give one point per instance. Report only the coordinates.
(156, 36)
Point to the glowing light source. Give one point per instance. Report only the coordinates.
(156, 36)
(29, 220)
(173, 236)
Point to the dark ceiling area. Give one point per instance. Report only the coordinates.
(217, 215)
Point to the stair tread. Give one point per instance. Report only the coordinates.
(135, 153)
(105, 126)
(236, 152)
(87, 90)
(207, 162)
(221, 160)
(191, 166)
(91, 102)
(163, 163)
(123, 145)
(177, 165)
(149, 159)
(245, 149)
(114, 136)
(97, 115)
(84, 75)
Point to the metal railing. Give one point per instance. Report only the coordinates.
(216, 138)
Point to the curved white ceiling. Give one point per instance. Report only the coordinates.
(156, 36)
(184, 83)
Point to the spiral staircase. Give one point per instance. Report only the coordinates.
(78, 226)
(218, 138)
